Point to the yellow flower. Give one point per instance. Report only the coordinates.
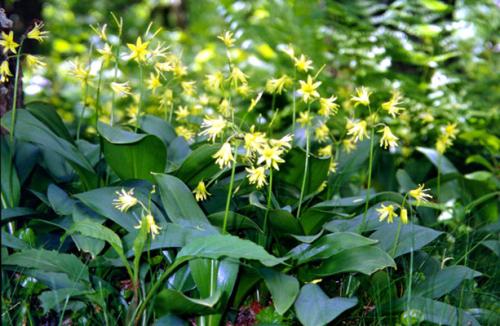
(36, 32)
(214, 127)
(391, 106)
(357, 130)
(227, 38)
(214, 81)
(332, 168)
(254, 141)
(34, 61)
(200, 192)
(302, 63)
(451, 130)
(224, 156)
(153, 82)
(308, 89)
(420, 193)
(321, 133)
(182, 112)
(224, 107)
(271, 156)
(5, 72)
(404, 215)
(362, 96)
(188, 87)
(125, 200)
(327, 106)
(121, 89)
(80, 72)
(283, 143)
(152, 227)
(100, 31)
(325, 151)
(443, 143)
(426, 117)
(304, 119)
(254, 101)
(8, 43)
(257, 176)
(388, 138)
(184, 132)
(349, 145)
(237, 76)
(243, 90)
(276, 85)
(386, 212)
(139, 50)
(289, 51)
(106, 53)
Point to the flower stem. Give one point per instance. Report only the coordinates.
(85, 93)
(370, 167)
(439, 178)
(269, 194)
(230, 191)
(98, 97)
(393, 252)
(293, 101)
(14, 100)
(141, 97)
(306, 168)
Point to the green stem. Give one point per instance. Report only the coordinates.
(98, 97)
(393, 252)
(141, 98)
(306, 168)
(117, 58)
(269, 196)
(14, 100)
(230, 191)
(85, 93)
(293, 101)
(439, 178)
(410, 280)
(370, 165)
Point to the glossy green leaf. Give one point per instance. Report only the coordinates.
(158, 127)
(235, 221)
(284, 288)
(199, 165)
(11, 188)
(444, 281)
(172, 301)
(47, 114)
(439, 160)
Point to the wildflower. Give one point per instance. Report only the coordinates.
(237, 76)
(403, 214)
(159, 51)
(420, 194)
(325, 151)
(227, 38)
(125, 200)
(426, 117)
(188, 87)
(34, 61)
(289, 51)
(322, 186)
(5, 72)
(357, 130)
(151, 225)
(321, 133)
(153, 82)
(254, 101)
(184, 132)
(362, 96)
(80, 72)
(139, 50)
(304, 119)
(386, 212)
(451, 130)
(106, 53)
(214, 81)
(349, 145)
(391, 106)
(257, 176)
(283, 143)
(276, 85)
(443, 143)
(302, 63)
(388, 138)
(243, 90)
(214, 127)
(182, 112)
(327, 106)
(308, 89)
(224, 107)
(200, 192)
(121, 89)
(254, 141)
(224, 156)
(271, 156)
(332, 168)
(8, 43)
(100, 31)
(36, 32)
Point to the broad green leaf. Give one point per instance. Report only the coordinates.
(366, 260)
(235, 221)
(178, 200)
(95, 230)
(218, 246)
(444, 281)
(53, 280)
(284, 288)
(170, 320)
(411, 237)
(439, 160)
(11, 188)
(50, 261)
(10, 241)
(199, 165)
(132, 156)
(493, 245)
(328, 246)
(313, 219)
(172, 301)
(61, 203)
(16, 213)
(29, 129)
(55, 299)
(315, 308)
(47, 114)
(283, 221)
(158, 127)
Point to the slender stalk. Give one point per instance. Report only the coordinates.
(117, 58)
(439, 177)
(306, 168)
(14, 100)
(410, 280)
(393, 252)
(269, 194)
(98, 96)
(230, 191)
(370, 167)
(293, 100)
(85, 93)
(171, 111)
(141, 98)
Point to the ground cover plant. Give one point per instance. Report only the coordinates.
(250, 163)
